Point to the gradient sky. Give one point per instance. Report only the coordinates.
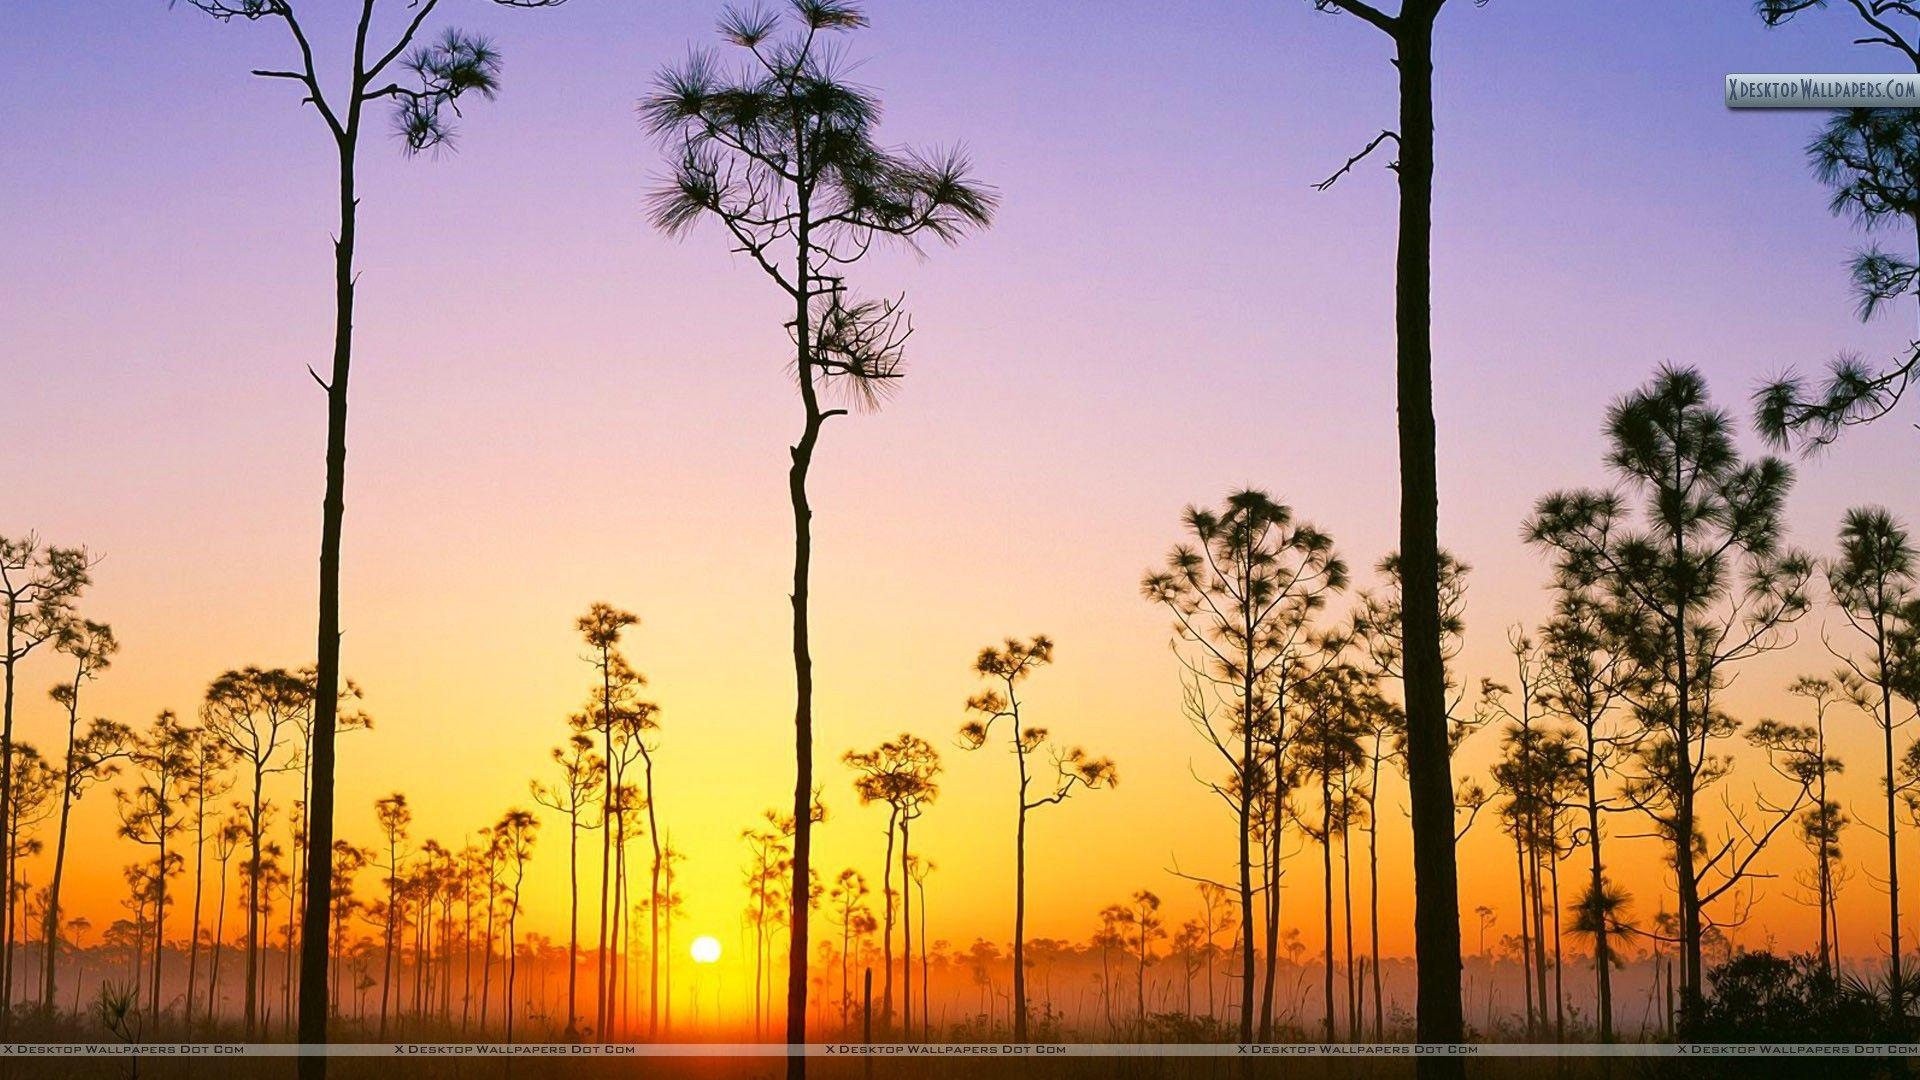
(553, 404)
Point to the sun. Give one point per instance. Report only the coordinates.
(706, 949)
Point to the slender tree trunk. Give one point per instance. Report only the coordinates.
(13, 655)
(926, 1020)
(1823, 875)
(466, 959)
(1526, 933)
(219, 938)
(1020, 904)
(513, 961)
(886, 927)
(1672, 1013)
(199, 871)
(1326, 885)
(14, 891)
(1538, 909)
(302, 832)
(159, 910)
(423, 953)
(1213, 1006)
(486, 960)
(1833, 904)
(253, 906)
(51, 934)
(607, 813)
(802, 461)
(326, 705)
(1373, 906)
(1276, 800)
(1270, 868)
(387, 969)
(446, 957)
(573, 920)
(266, 961)
(1683, 856)
(1436, 882)
(759, 950)
(653, 908)
(139, 947)
(616, 964)
(1346, 909)
(20, 939)
(333, 962)
(1896, 986)
(666, 1005)
(1559, 988)
(906, 937)
(1244, 807)
(1602, 947)
(1140, 982)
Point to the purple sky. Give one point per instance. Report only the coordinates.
(553, 403)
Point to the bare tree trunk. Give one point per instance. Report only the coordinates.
(1020, 912)
(314, 928)
(1140, 984)
(199, 874)
(1683, 854)
(886, 929)
(159, 913)
(1245, 808)
(802, 461)
(607, 814)
(13, 655)
(1346, 911)
(1539, 913)
(617, 981)
(486, 963)
(1823, 866)
(1896, 987)
(926, 1020)
(219, 936)
(906, 937)
(1436, 882)
(50, 936)
(1526, 933)
(1373, 908)
(653, 908)
(846, 964)
(466, 955)
(1270, 860)
(387, 970)
(14, 894)
(1602, 945)
(139, 946)
(1326, 882)
(1559, 988)
(253, 907)
(513, 957)
(573, 917)
(666, 1004)
(333, 963)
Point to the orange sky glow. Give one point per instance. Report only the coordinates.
(555, 405)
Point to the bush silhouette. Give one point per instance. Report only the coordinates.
(1763, 997)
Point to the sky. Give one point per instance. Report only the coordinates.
(555, 404)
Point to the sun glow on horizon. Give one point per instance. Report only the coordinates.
(705, 949)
